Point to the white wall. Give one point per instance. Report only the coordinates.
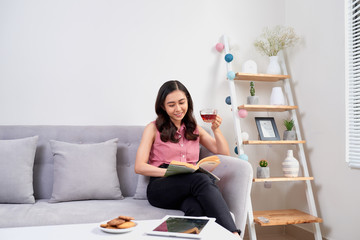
(88, 62)
(102, 62)
(318, 69)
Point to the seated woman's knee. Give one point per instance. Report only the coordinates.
(202, 178)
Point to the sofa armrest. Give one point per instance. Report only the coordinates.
(236, 180)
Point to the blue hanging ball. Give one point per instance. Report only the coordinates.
(228, 100)
(231, 75)
(244, 157)
(236, 150)
(229, 57)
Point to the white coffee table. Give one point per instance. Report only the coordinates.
(91, 231)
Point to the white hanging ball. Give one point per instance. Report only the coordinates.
(245, 136)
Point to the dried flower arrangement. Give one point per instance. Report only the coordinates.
(271, 41)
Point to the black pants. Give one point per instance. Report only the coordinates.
(195, 194)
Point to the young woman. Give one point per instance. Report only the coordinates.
(176, 136)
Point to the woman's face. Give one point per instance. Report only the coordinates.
(176, 106)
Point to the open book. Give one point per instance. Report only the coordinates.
(205, 165)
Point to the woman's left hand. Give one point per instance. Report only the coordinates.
(216, 123)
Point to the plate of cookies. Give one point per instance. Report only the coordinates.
(120, 224)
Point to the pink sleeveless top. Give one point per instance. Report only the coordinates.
(183, 151)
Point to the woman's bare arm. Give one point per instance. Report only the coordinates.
(142, 156)
(216, 144)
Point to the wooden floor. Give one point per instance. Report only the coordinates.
(274, 237)
(290, 232)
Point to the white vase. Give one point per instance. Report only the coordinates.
(290, 165)
(277, 96)
(274, 66)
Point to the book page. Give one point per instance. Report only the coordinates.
(209, 163)
(210, 166)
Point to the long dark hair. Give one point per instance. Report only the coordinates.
(165, 126)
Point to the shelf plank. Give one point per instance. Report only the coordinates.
(284, 217)
(280, 142)
(282, 179)
(260, 77)
(266, 108)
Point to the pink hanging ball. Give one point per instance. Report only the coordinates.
(219, 47)
(242, 113)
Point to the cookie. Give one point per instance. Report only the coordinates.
(126, 218)
(104, 225)
(126, 225)
(115, 222)
(111, 227)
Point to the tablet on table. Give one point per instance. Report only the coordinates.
(181, 226)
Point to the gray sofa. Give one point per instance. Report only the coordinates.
(235, 183)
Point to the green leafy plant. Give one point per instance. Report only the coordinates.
(271, 41)
(289, 124)
(252, 89)
(263, 163)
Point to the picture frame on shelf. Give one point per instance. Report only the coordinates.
(267, 129)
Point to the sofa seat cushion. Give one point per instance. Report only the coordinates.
(45, 213)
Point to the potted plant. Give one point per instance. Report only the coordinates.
(263, 171)
(272, 41)
(252, 99)
(289, 133)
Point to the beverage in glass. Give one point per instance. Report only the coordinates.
(208, 115)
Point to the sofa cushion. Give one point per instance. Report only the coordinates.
(16, 170)
(85, 171)
(141, 187)
(90, 211)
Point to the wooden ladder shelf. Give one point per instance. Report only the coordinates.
(284, 217)
(274, 217)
